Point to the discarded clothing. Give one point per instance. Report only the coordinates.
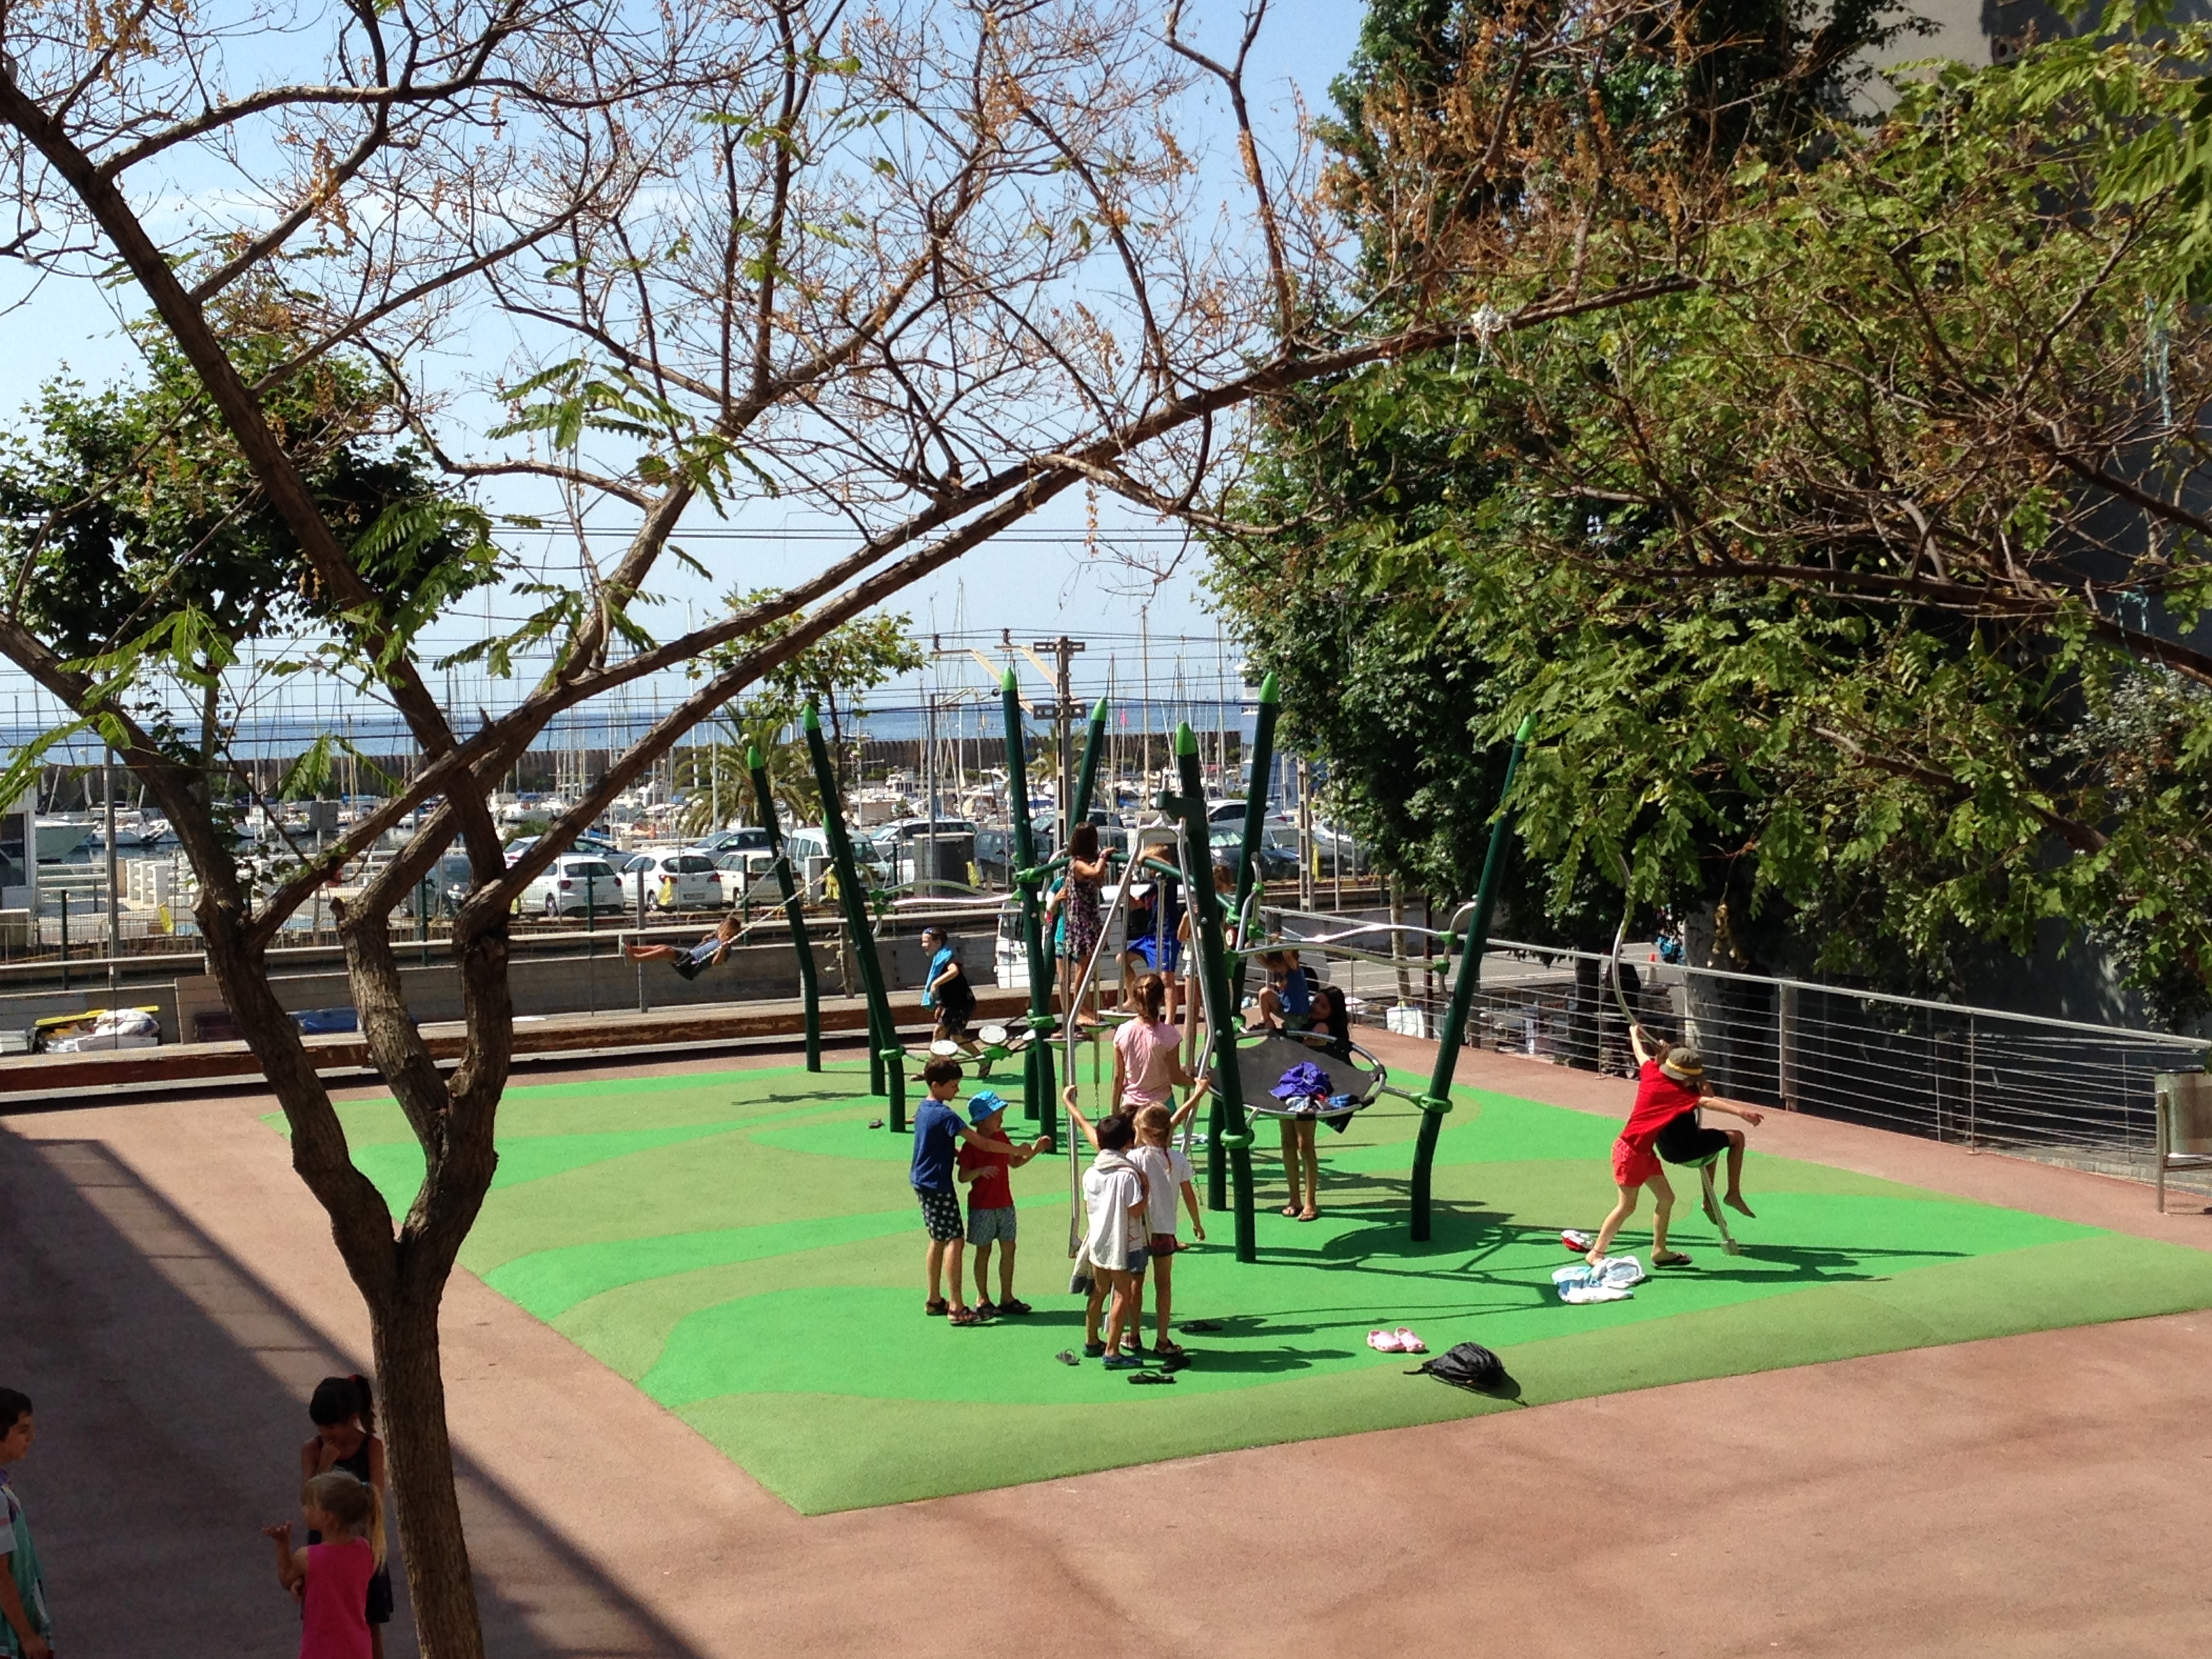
(1611, 1280)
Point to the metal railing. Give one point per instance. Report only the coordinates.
(2063, 1090)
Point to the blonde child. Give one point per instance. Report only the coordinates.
(1167, 1177)
(331, 1579)
(343, 1410)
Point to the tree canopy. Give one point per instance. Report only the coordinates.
(1853, 583)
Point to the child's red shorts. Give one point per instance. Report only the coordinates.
(1633, 1165)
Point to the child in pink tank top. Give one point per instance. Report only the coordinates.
(331, 1579)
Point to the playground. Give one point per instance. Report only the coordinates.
(1781, 1503)
(742, 1246)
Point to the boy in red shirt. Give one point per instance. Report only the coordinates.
(1670, 1090)
(984, 1162)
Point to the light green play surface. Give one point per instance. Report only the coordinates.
(741, 1246)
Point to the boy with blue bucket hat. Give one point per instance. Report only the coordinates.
(986, 1159)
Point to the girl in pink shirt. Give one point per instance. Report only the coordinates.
(331, 1579)
(1148, 1056)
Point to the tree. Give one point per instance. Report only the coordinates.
(919, 271)
(1856, 580)
(131, 510)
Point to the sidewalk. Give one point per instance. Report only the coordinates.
(173, 1293)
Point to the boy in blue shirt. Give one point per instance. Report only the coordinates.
(945, 990)
(938, 1133)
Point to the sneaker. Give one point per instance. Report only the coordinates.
(1577, 1240)
(1093, 1350)
(986, 1309)
(1015, 1308)
(1124, 1361)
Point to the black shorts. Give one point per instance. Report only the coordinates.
(940, 1213)
(1684, 1140)
(953, 1014)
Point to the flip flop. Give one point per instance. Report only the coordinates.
(1384, 1342)
(1409, 1342)
(1067, 1357)
(1291, 1211)
(1152, 1376)
(1197, 1326)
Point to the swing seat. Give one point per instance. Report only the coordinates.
(1262, 1057)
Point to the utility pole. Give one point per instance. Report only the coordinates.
(1063, 712)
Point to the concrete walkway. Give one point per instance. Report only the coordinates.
(170, 1295)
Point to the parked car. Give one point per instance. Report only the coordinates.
(750, 838)
(573, 886)
(1275, 864)
(675, 878)
(994, 856)
(588, 844)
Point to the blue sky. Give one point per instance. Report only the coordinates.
(1030, 586)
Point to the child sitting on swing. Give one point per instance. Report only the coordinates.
(708, 952)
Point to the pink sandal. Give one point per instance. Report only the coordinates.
(1384, 1342)
(1408, 1342)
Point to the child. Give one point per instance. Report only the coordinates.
(1671, 1087)
(1330, 1031)
(344, 1412)
(1224, 890)
(1148, 1055)
(984, 1166)
(330, 1579)
(1286, 1001)
(1167, 1174)
(945, 988)
(709, 952)
(1155, 925)
(1078, 916)
(26, 1628)
(938, 1133)
(1114, 1249)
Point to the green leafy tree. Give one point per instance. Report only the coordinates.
(1853, 582)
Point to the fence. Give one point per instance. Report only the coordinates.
(2063, 1090)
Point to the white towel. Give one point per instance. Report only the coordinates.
(1609, 1281)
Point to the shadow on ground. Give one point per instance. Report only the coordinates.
(170, 1389)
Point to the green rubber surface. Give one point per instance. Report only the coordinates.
(743, 1248)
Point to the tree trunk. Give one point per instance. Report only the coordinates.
(420, 1458)
(1707, 1020)
(1398, 941)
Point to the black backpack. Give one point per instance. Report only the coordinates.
(1465, 1365)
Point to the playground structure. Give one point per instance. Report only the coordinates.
(1241, 1065)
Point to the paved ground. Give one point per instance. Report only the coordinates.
(171, 1293)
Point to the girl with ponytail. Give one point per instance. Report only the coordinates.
(331, 1576)
(343, 1410)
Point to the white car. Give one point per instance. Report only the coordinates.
(571, 886)
(675, 878)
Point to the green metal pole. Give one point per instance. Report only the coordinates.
(794, 908)
(886, 1059)
(1229, 1128)
(1255, 801)
(1086, 782)
(1454, 1034)
(1037, 1059)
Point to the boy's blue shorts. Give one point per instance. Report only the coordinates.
(1161, 955)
